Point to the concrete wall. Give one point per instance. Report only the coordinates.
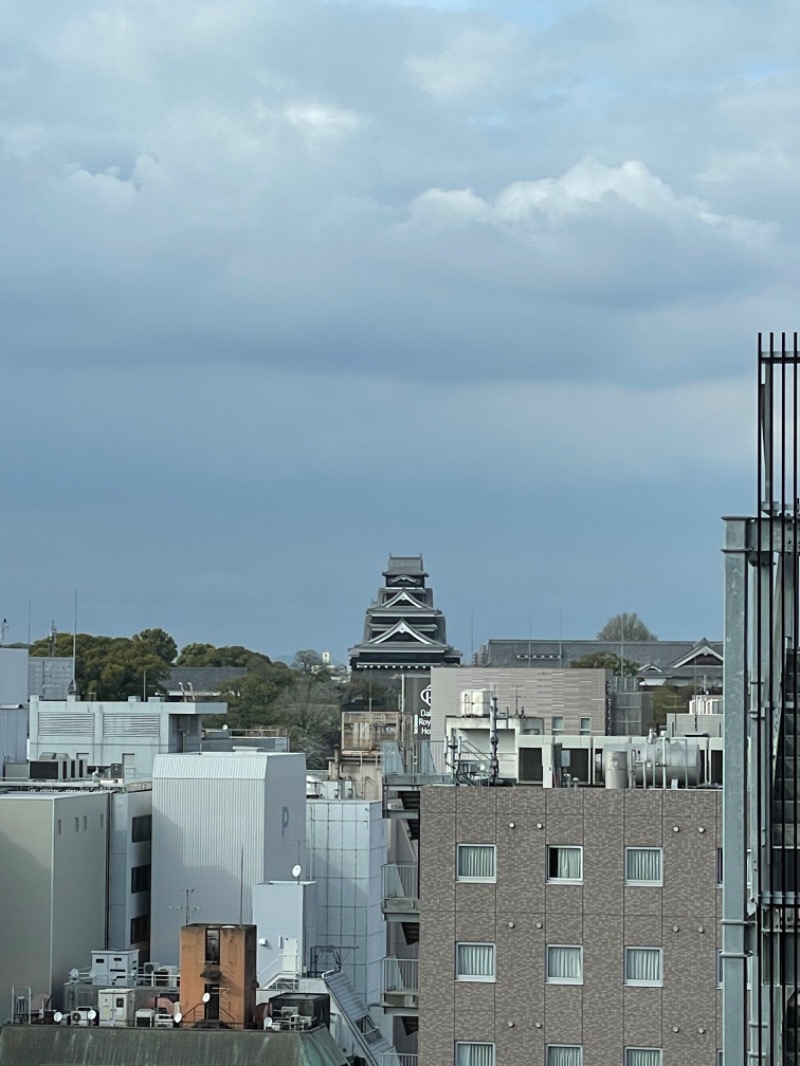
(544, 693)
(521, 914)
(222, 822)
(285, 914)
(124, 855)
(53, 887)
(347, 849)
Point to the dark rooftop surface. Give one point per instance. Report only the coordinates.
(59, 1045)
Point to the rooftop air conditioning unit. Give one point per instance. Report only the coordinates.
(475, 703)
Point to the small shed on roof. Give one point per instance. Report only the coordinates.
(59, 1045)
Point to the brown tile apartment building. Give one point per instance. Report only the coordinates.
(569, 927)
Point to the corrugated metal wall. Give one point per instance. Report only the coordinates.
(222, 822)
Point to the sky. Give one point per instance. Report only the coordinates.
(286, 287)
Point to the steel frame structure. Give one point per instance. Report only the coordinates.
(761, 801)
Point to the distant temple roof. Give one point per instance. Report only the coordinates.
(402, 628)
(658, 660)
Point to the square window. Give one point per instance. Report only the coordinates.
(643, 866)
(642, 1056)
(643, 966)
(565, 864)
(475, 962)
(557, 724)
(140, 879)
(474, 1054)
(475, 862)
(564, 1055)
(564, 964)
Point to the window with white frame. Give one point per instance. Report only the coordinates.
(586, 727)
(564, 1055)
(475, 862)
(642, 1056)
(565, 864)
(474, 1054)
(643, 966)
(564, 964)
(557, 724)
(475, 962)
(643, 866)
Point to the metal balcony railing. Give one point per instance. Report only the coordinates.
(400, 893)
(400, 984)
(398, 1058)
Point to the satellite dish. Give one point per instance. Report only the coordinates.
(58, 1017)
(177, 1018)
(74, 974)
(206, 997)
(91, 1015)
(297, 870)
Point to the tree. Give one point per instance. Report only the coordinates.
(210, 655)
(626, 628)
(605, 660)
(252, 699)
(307, 661)
(114, 668)
(159, 642)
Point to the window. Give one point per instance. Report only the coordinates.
(557, 724)
(643, 966)
(475, 962)
(140, 879)
(719, 970)
(719, 866)
(564, 965)
(77, 824)
(140, 929)
(141, 828)
(565, 864)
(564, 1055)
(475, 862)
(474, 1054)
(58, 826)
(85, 823)
(642, 1056)
(642, 866)
(212, 946)
(586, 727)
(102, 821)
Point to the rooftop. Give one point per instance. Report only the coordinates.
(23, 1045)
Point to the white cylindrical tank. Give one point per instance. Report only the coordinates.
(660, 763)
(615, 768)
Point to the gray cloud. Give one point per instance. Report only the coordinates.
(278, 265)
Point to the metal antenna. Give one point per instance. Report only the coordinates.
(75, 642)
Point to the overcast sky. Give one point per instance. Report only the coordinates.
(287, 285)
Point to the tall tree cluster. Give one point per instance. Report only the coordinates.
(303, 699)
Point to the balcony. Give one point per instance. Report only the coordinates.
(363, 732)
(400, 894)
(400, 992)
(398, 1058)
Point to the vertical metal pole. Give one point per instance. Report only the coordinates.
(734, 797)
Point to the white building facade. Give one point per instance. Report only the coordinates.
(122, 738)
(222, 823)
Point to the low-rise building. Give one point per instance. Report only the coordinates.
(121, 739)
